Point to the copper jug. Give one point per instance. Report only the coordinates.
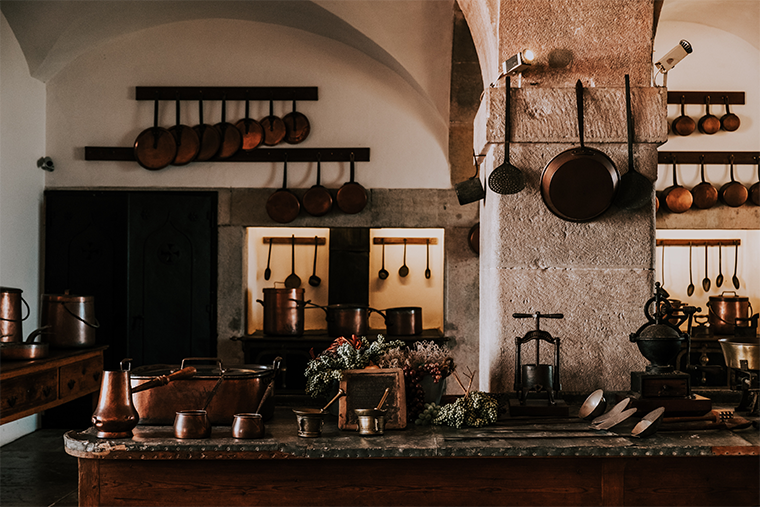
(10, 314)
(115, 416)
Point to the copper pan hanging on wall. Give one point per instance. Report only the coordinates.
(155, 147)
(579, 184)
(188, 143)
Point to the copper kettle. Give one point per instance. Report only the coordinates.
(115, 415)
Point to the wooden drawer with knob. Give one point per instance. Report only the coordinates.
(81, 378)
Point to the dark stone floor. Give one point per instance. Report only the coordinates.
(35, 471)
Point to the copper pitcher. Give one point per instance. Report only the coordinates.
(115, 416)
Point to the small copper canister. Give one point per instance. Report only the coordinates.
(10, 315)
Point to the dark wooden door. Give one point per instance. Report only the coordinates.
(148, 258)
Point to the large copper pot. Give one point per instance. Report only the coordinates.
(240, 391)
(346, 319)
(724, 310)
(283, 312)
(71, 319)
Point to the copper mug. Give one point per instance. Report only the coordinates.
(249, 425)
(192, 424)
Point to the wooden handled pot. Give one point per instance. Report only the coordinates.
(155, 147)
(709, 123)
(209, 135)
(351, 197)
(676, 198)
(683, 125)
(250, 130)
(705, 194)
(188, 143)
(733, 193)
(579, 184)
(283, 205)
(230, 138)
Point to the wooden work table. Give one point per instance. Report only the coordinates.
(417, 466)
(29, 387)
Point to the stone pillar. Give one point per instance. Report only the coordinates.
(598, 273)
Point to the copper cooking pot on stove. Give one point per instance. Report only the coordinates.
(728, 311)
(283, 311)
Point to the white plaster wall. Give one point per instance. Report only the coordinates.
(361, 103)
(22, 142)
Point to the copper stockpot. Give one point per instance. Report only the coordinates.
(240, 392)
(346, 319)
(728, 311)
(283, 311)
(71, 320)
(403, 321)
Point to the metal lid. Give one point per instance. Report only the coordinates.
(67, 298)
(203, 371)
(11, 289)
(729, 296)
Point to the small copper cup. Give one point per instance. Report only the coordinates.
(192, 424)
(250, 425)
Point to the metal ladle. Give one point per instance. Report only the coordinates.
(719, 278)
(383, 273)
(690, 288)
(735, 279)
(706, 279)
(403, 270)
(268, 271)
(314, 280)
(427, 269)
(293, 281)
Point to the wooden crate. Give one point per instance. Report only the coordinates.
(364, 389)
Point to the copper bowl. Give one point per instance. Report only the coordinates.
(192, 424)
(250, 425)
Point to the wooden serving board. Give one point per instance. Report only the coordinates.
(365, 388)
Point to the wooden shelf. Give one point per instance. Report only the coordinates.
(699, 242)
(226, 92)
(103, 153)
(716, 98)
(400, 241)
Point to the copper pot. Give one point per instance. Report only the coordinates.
(403, 321)
(115, 415)
(241, 392)
(71, 319)
(283, 311)
(728, 311)
(346, 319)
(10, 315)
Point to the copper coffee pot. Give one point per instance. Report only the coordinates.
(115, 415)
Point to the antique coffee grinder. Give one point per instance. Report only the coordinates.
(537, 377)
(660, 340)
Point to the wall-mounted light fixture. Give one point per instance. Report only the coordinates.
(670, 60)
(517, 63)
(46, 164)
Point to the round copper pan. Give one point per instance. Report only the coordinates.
(209, 135)
(274, 128)
(676, 199)
(188, 142)
(283, 205)
(250, 130)
(705, 194)
(579, 184)
(317, 201)
(297, 126)
(230, 136)
(733, 193)
(683, 125)
(351, 197)
(155, 147)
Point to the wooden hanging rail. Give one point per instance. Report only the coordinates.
(699, 242)
(257, 155)
(227, 92)
(716, 98)
(284, 240)
(711, 157)
(400, 241)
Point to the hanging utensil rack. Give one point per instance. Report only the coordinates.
(710, 157)
(716, 98)
(401, 241)
(233, 93)
(283, 240)
(699, 242)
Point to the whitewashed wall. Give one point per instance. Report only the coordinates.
(22, 142)
(361, 103)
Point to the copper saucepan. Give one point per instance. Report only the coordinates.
(729, 121)
(188, 142)
(155, 147)
(733, 193)
(297, 126)
(709, 123)
(274, 127)
(351, 197)
(230, 138)
(251, 131)
(209, 135)
(317, 201)
(705, 194)
(283, 205)
(683, 125)
(676, 198)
